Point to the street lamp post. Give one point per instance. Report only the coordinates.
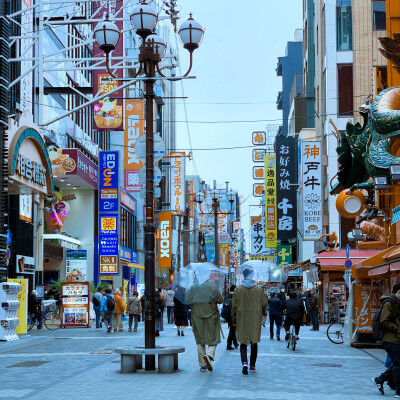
(215, 204)
(144, 20)
(231, 197)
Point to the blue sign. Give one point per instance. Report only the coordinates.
(8, 237)
(134, 257)
(348, 251)
(108, 181)
(125, 254)
(395, 215)
(108, 244)
(348, 263)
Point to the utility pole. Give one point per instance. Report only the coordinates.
(216, 233)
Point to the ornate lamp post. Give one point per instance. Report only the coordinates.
(144, 20)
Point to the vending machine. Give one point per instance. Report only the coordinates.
(9, 306)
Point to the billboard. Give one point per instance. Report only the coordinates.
(270, 201)
(108, 181)
(284, 255)
(257, 227)
(108, 244)
(134, 128)
(311, 172)
(178, 182)
(286, 188)
(164, 240)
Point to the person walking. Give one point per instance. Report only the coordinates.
(314, 309)
(390, 323)
(119, 311)
(282, 296)
(275, 316)
(180, 310)
(226, 314)
(159, 313)
(169, 302)
(134, 309)
(96, 300)
(203, 300)
(249, 304)
(107, 307)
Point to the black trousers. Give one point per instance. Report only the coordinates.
(253, 353)
(296, 322)
(232, 337)
(170, 314)
(315, 319)
(392, 374)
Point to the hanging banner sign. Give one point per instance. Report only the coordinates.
(258, 173)
(164, 240)
(258, 189)
(75, 303)
(108, 244)
(191, 205)
(270, 201)
(286, 189)
(178, 182)
(108, 181)
(311, 172)
(224, 256)
(257, 228)
(284, 255)
(134, 128)
(258, 155)
(210, 249)
(259, 138)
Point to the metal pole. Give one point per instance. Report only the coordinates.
(217, 259)
(149, 239)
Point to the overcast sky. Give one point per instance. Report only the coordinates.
(234, 65)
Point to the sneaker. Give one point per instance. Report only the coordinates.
(278, 338)
(236, 345)
(130, 330)
(230, 348)
(297, 337)
(287, 336)
(179, 333)
(379, 386)
(135, 330)
(397, 395)
(252, 369)
(182, 334)
(207, 360)
(121, 330)
(108, 330)
(271, 338)
(245, 369)
(203, 369)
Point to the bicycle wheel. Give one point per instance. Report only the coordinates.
(288, 342)
(52, 321)
(335, 333)
(30, 321)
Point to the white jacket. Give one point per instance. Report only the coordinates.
(169, 298)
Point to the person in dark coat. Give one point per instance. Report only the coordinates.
(282, 296)
(159, 313)
(294, 314)
(226, 315)
(314, 309)
(180, 311)
(275, 316)
(34, 305)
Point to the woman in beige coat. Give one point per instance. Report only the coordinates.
(249, 304)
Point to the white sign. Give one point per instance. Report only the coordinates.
(158, 149)
(25, 265)
(178, 182)
(156, 175)
(75, 289)
(311, 172)
(26, 54)
(257, 227)
(25, 207)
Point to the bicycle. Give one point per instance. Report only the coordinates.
(335, 332)
(291, 341)
(50, 319)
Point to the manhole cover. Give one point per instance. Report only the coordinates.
(103, 352)
(325, 365)
(28, 364)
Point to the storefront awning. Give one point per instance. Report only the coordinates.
(62, 238)
(374, 271)
(137, 266)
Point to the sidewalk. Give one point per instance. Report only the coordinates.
(63, 366)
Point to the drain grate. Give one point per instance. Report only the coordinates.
(103, 352)
(326, 365)
(28, 364)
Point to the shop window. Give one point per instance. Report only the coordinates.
(345, 90)
(344, 39)
(381, 81)
(379, 15)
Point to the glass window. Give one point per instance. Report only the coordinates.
(345, 82)
(344, 40)
(379, 15)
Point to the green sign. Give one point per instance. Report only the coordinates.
(284, 255)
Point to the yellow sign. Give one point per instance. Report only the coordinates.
(23, 305)
(265, 258)
(109, 224)
(126, 287)
(270, 201)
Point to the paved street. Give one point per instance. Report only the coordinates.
(70, 368)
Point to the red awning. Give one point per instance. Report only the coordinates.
(334, 260)
(378, 270)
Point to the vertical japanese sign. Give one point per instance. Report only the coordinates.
(284, 255)
(257, 227)
(164, 240)
(178, 182)
(26, 53)
(108, 181)
(191, 205)
(311, 173)
(270, 201)
(286, 189)
(222, 221)
(210, 249)
(224, 256)
(108, 244)
(134, 115)
(108, 113)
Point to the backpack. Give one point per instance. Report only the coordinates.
(227, 308)
(377, 330)
(110, 303)
(95, 301)
(157, 309)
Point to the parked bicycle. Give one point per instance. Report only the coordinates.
(50, 319)
(335, 332)
(291, 341)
